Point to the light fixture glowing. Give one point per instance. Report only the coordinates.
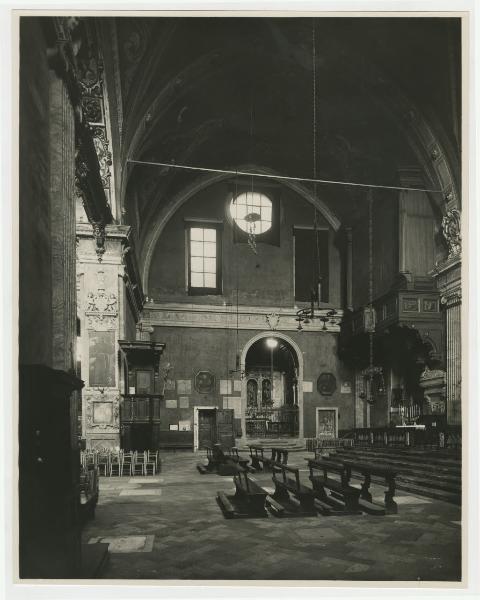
(272, 343)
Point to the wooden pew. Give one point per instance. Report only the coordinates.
(285, 484)
(89, 492)
(261, 462)
(218, 462)
(367, 470)
(248, 501)
(234, 455)
(343, 498)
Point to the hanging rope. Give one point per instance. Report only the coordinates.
(316, 275)
(370, 287)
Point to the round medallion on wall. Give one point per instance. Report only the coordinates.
(326, 384)
(205, 382)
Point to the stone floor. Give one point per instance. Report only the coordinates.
(171, 527)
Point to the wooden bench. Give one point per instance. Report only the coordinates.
(248, 501)
(261, 462)
(343, 498)
(366, 470)
(218, 462)
(285, 485)
(234, 455)
(89, 492)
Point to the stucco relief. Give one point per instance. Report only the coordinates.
(101, 310)
(102, 413)
(451, 231)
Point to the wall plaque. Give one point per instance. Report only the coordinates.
(102, 413)
(225, 387)
(184, 402)
(171, 403)
(307, 386)
(205, 382)
(410, 305)
(430, 305)
(326, 384)
(184, 386)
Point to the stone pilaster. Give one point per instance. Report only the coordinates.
(102, 308)
(62, 222)
(449, 284)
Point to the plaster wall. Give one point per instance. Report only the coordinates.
(189, 350)
(264, 279)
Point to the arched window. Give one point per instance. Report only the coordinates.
(252, 212)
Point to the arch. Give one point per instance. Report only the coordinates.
(200, 184)
(294, 346)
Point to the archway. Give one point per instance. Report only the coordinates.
(272, 387)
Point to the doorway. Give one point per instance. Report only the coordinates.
(271, 405)
(206, 427)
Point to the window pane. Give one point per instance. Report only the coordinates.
(210, 235)
(252, 202)
(196, 233)
(196, 264)
(210, 265)
(196, 248)
(196, 280)
(266, 212)
(210, 280)
(209, 249)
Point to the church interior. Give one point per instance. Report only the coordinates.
(240, 298)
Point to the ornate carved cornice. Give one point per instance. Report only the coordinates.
(225, 317)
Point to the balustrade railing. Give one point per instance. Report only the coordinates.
(266, 422)
(404, 437)
(140, 408)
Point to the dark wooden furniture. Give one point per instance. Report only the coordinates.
(366, 470)
(287, 481)
(248, 500)
(89, 492)
(234, 455)
(250, 492)
(218, 462)
(175, 440)
(261, 462)
(343, 498)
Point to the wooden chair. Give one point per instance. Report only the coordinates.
(127, 459)
(116, 465)
(103, 463)
(138, 464)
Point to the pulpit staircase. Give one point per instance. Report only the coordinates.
(431, 473)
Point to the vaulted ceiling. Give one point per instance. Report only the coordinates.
(226, 92)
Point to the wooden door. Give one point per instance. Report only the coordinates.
(206, 427)
(225, 427)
